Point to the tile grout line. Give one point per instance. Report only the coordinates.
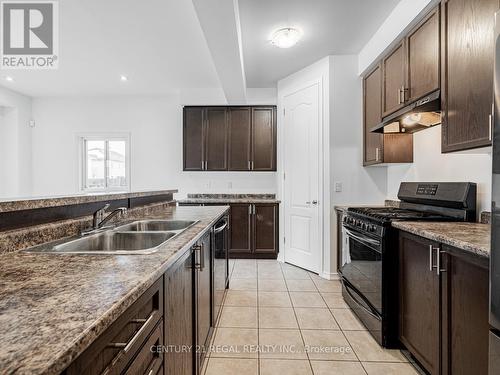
(258, 320)
(297, 320)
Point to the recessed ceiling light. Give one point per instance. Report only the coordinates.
(9, 79)
(123, 78)
(286, 38)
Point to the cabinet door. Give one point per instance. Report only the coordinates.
(179, 316)
(423, 46)
(393, 82)
(468, 40)
(216, 139)
(465, 288)
(240, 240)
(193, 139)
(240, 131)
(265, 226)
(203, 300)
(373, 142)
(263, 139)
(419, 328)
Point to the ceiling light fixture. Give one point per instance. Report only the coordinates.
(286, 38)
(123, 78)
(9, 79)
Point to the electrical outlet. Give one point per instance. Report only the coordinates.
(338, 187)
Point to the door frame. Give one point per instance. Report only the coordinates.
(323, 165)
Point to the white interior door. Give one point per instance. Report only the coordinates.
(301, 186)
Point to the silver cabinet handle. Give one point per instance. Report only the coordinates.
(249, 209)
(399, 96)
(249, 165)
(431, 248)
(253, 165)
(438, 261)
(377, 154)
(202, 165)
(490, 136)
(253, 205)
(197, 257)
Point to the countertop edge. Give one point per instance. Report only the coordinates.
(80, 344)
(46, 202)
(444, 239)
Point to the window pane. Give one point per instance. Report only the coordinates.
(95, 155)
(116, 167)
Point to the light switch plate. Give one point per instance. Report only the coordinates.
(338, 187)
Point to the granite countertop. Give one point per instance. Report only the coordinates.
(7, 205)
(229, 198)
(471, 237)
(53, 306)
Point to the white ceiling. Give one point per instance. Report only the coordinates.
(329, 27)
(158, 44)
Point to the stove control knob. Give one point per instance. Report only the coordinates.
(372, 228)
(364, 226)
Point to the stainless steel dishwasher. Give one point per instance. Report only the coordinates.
(220, 259)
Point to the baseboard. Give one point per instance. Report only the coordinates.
(330, 276)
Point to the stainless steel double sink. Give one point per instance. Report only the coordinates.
(138, 237)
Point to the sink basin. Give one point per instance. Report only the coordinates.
(156, 226)
(138, 237)
(113, 242)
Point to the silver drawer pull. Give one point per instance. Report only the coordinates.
(127, 346)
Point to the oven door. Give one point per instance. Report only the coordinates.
(362, 267)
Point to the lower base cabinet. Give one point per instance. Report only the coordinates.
(443, 306)
(179, 317)
(254, 231)
(166, 331)
(124, 348)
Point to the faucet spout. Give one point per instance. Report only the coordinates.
(99, 220)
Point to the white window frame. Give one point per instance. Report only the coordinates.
(82, 160)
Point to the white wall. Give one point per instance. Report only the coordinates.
(155, 127)
(15, 145)
(431, 165)
(403, 17)
(359, 185)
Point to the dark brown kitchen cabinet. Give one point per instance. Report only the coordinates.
(381, 148)
(216, 139)
(419, 300)
(241, 227)
(240, 139)
(423, 46)
(263, 139)
(265, 235)
(124, 348)
(233, 138)
(465, 310)
(372, 100)
(467, 82)
(393, 80)
(179, 308)
(254, 231)
(443, 306)
(194, 145)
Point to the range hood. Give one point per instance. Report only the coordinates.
(419, 115)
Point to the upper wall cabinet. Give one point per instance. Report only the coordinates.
(423, 56)
(467, 84)
(412, 69)
(393, 88)
(230, 138)
(381, 148)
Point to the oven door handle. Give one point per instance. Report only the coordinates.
(365, 240)
(368, 311)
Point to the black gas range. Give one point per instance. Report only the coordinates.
(369, 270)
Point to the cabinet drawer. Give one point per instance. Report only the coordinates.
(149, 362)
(117, 346)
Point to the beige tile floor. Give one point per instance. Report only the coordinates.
(280, 319)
